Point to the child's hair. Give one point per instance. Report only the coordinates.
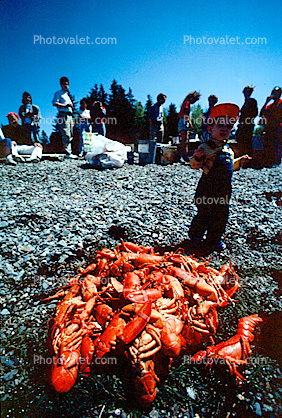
(212, 96)
(161, 96)
(249, 88)
(84, 100)
(277, 88)
(25, 95)
(64, 80)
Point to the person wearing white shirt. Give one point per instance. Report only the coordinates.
(65, 121)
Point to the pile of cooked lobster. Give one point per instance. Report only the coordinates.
(134, 310)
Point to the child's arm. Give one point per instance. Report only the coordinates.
(237, 163)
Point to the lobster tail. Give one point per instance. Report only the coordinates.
(246, 326)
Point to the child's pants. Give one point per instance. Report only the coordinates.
(65, 126)
(33, 151)
(32, 129)
(5, 147)
(83, 127)
(212, 219)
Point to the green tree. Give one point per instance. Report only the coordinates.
(93, 96)
(196, 118)
(121, 108)
(140, 120)
(148, 104)
(44, 139)
(103, 96)
(171, 122)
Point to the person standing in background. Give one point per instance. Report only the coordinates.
(84, 125)
(156, 119)
(248, 113)
(64, 104)
(272, 113)
(98, 113)
(30, 116)
(185, 122)
(204, 135)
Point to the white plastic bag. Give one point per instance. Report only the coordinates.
(105, 152)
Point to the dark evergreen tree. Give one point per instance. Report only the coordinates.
(102, 95)
(171, 122)
(140, 121)
(121, 108)
(93, 96)
(130, 97)
(196, 118)
(148, 104)
(44, 139)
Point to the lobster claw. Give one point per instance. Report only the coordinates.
(146, 384)
(138, 323)
(64, 371)
(87, 351)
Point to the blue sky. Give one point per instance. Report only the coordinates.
(149, 55)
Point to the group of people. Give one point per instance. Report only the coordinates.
(213, 156)
(18, 140)
(90, 120)
(216, 159)
(270, 119)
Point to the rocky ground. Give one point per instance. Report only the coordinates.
(55, 215)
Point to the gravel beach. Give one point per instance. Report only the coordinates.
(55, 215)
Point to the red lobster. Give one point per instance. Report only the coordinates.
(235, 350)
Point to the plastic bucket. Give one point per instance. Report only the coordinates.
(147, 151)
(169, 154)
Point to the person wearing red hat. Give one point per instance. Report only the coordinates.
(213, 193)
(21, 140)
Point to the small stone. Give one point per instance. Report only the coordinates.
(28, 248)
(10, 375)
(5, 312)
(190, 392)
(257, 409)
(3, 224)
(267, 408)
(154, 413)
(7, 362)
(63, 258)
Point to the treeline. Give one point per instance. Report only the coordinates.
(126, 118)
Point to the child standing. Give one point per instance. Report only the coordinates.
(84, 125)
(30, 116)
(213, 193)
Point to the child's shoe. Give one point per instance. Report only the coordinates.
(19, 158)
(33, 160)
(216, 247)
(197, 247)
(10, 160)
